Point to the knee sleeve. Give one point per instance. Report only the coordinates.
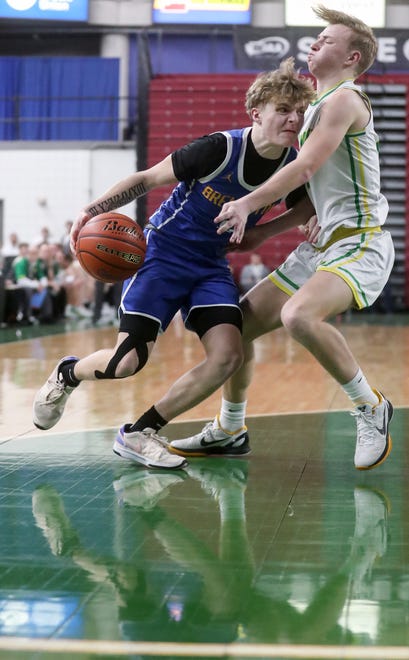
(126, 347)
(137, 340)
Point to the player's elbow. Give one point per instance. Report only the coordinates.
(306, 173)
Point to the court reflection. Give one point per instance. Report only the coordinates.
(184, 568)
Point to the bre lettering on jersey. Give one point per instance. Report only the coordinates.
(216, 197)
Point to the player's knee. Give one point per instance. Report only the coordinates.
(234, 361)
(128, 366)
(294, 318)
(227, 361)
(129, 357)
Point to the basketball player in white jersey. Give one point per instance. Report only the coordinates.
(351, 259)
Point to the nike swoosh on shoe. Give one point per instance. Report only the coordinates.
(205, 443)
(210, 443)
(382, 429)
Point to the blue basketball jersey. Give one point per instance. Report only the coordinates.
(189, 212)
(185, 267)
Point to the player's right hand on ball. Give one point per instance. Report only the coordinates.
(81, 220)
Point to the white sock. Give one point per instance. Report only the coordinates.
(359, 390)
(232, 415)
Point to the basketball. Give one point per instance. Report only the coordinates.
(111, 247)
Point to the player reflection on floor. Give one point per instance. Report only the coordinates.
(220, 601)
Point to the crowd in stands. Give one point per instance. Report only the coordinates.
(42, 282)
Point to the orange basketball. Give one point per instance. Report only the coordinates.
(111, 247)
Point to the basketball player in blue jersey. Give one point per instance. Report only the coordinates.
(349, 263)
(185, 267)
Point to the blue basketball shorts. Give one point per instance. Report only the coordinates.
(174, 277)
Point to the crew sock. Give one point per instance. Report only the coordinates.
(232, 416)
(359, 391)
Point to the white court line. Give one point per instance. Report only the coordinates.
(282, 651)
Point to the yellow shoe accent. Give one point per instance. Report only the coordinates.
(241, 428)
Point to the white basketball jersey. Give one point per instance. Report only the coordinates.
(345, 191)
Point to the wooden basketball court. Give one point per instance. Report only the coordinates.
(287, 553)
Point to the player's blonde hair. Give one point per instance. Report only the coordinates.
(285, 84)
(362, 37)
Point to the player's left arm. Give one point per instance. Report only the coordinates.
(339, 114)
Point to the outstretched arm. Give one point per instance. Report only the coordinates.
(298, 215)
(337, 117)
(125, 191)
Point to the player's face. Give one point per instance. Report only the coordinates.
(330, 50)
(281, 122)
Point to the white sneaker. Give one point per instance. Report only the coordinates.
(373, 443)
(213, 441)
(147, 448)
(50, 400)
(144, 488)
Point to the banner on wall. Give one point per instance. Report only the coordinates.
(259, 49)
(300, 12)
(41, 10)
(237, 12)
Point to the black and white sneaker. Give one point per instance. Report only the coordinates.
(213, 441)
(374, 442)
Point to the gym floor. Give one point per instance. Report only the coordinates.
(287, 553)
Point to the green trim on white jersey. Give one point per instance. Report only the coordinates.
(345, 191)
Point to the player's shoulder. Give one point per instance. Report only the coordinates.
(343, 106)
(348, 93)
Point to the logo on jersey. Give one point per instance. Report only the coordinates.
(215, 197)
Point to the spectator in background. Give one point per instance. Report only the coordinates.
(9, 252)
(48, 268)
(43, 237)
(65, 238)
(37, 278)
(253, 272)
(78, 285)
(28, 298)
(18, 291)
(106, 296)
